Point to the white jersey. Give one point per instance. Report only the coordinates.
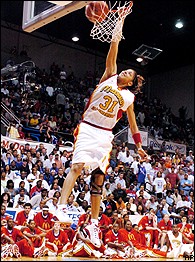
(106, 104)
(176, 242)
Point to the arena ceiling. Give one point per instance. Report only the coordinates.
(151, 23)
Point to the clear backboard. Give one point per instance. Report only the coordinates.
(39, 13)
(148, 52)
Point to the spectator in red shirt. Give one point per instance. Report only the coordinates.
(173, 178)
(21, 133)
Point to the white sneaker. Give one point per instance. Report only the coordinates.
(94, 234)
(97, 254)
(170, 254)
(163, 248)
(155, 246)
(110, 252)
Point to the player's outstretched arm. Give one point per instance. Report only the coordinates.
(111, 66)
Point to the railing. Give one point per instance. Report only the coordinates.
(10, 112)
(4, 121)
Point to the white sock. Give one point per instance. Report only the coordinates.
(94, 221)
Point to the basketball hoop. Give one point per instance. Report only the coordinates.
(110, 29)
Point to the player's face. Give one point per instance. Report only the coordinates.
(10, 223)
(116, 228)
(27, 210)
(56, 226)
(3, 209)
(128, 226)
(127, 76)
(166, 218)
(175, 229)
(184, 219)
(32, 225)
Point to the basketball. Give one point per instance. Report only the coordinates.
(96, 11)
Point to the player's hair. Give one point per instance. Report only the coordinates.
(28, 205)
(136, 87)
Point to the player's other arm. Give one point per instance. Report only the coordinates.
(135, 130)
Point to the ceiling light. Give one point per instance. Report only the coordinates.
(139, 59)
(75, 39)
(179, 24)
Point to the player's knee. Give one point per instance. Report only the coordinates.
(97, 182)
(76, 169)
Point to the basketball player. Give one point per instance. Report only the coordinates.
(185, 228)
(36, 236)
(164, 225)
(57, 241)
(140, 249)
(175, 241)
(43, 219)
(24, 215)
(21, 244)
(93, 136)
(148, 228)
(118, 243)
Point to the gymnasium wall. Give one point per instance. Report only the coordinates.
(175, 88)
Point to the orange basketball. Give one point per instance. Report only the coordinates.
(96, 11)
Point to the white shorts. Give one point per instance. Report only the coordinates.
(92, 147)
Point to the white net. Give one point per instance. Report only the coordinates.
(110, 29)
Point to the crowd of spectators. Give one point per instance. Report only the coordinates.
(32, 181)
(164, 183)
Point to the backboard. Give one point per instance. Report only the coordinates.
(39, 13)
(146, 51)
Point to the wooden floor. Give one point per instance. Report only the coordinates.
(88, 259)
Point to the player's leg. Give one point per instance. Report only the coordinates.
(70, 181)
(97, 181)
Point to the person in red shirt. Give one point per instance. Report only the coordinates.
(84, 218)
(173, 178)
(21, 133)
(21, 244)
(164, 225)
(140, 249)
(57, 241)
(104, 222)
(185, 228)
(148, 228)
(34, 233)
(24, 215)
(43, 219)
(36, 189)
(118, 243)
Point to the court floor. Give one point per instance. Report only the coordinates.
(88, 259)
